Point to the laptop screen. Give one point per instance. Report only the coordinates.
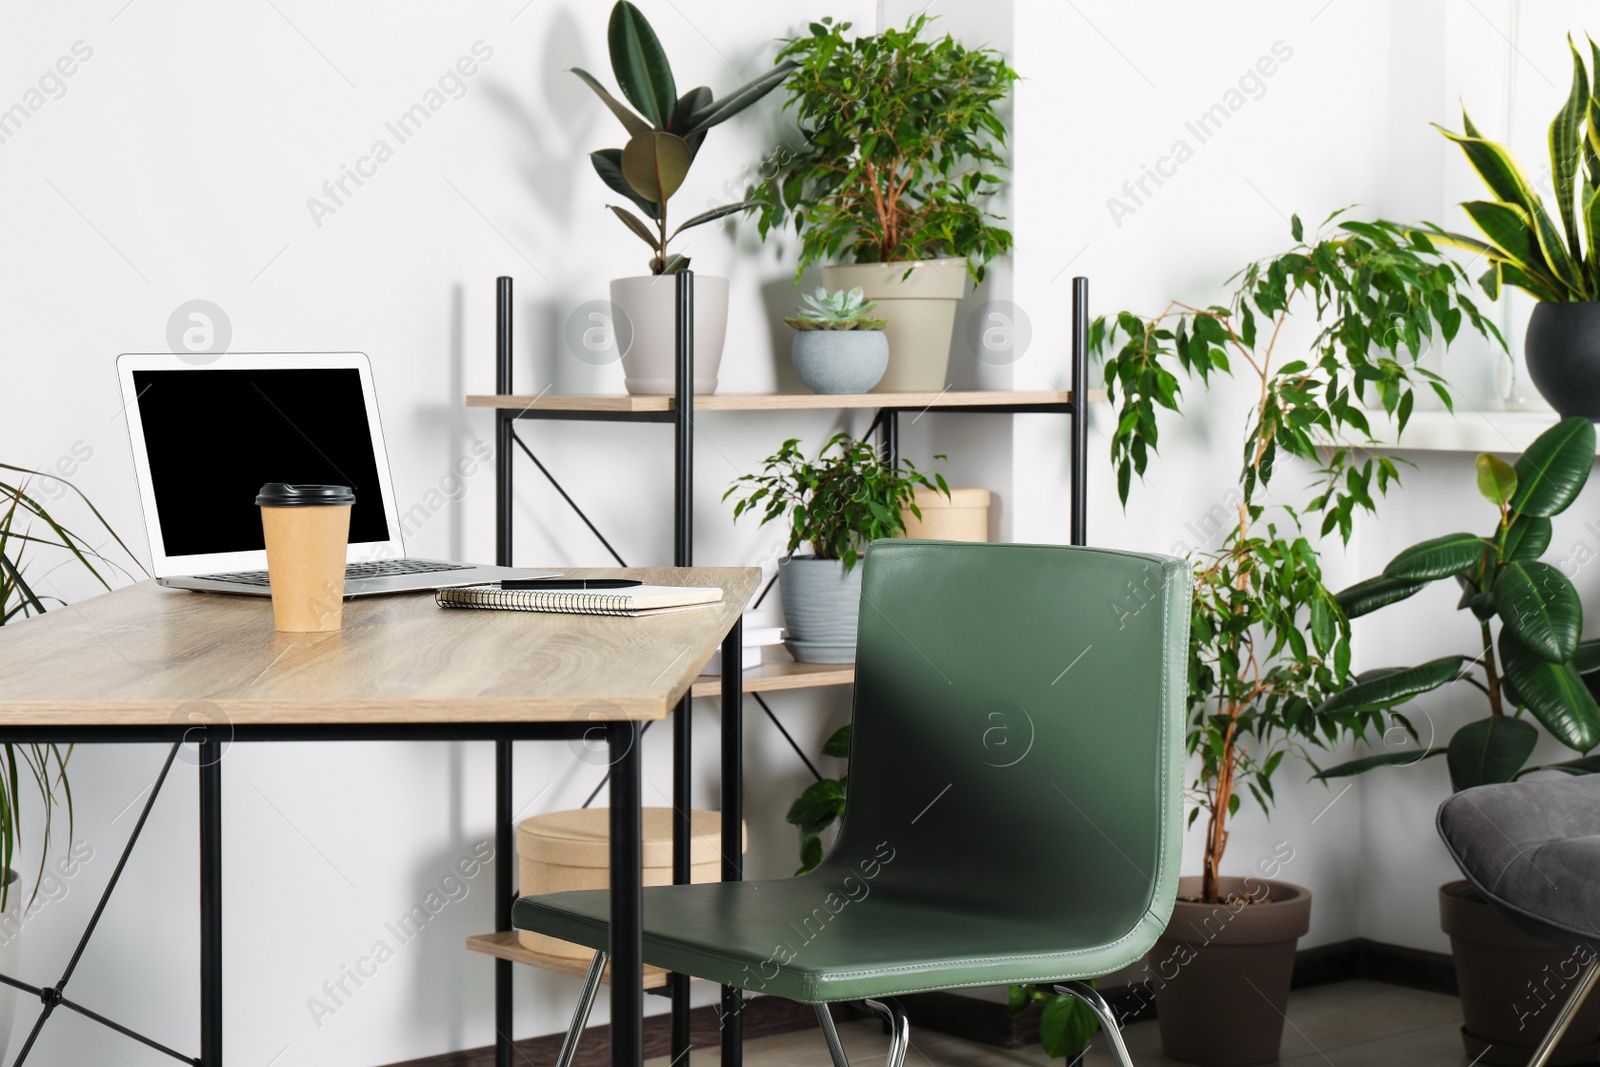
(214, 436)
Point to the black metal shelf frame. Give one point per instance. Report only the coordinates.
(886, 423)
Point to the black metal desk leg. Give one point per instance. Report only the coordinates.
(504, 893)
(682, 828)
(733, 818)
(627, 896)
(210, 904)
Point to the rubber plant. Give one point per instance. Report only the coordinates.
(1535, 668)
(665, 132)
(27, 528)
(1525, 248)
(903, 145)
(1269, 641)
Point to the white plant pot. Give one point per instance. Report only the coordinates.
(840, 361)
(920, 311)
(650, 303)
(821, 607)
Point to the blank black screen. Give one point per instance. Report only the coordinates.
(215, 436)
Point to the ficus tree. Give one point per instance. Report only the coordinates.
(903, 147)
(665, 131)
(1269, 642)
(1534, 668)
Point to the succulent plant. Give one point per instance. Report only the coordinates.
(841, 310)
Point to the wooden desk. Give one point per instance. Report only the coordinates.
(150, 664)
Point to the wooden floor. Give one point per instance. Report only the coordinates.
(1347, 1024)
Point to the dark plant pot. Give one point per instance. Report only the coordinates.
(1563, 356)
(1512, 985)
(1207, 961)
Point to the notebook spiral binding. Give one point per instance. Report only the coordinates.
(568, 602)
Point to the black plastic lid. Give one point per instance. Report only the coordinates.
(283, 495)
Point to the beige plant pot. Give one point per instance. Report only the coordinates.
(963, 517)
(920, 311)
(565, 850)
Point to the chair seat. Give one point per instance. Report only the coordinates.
(1533, 849)
(806, 940)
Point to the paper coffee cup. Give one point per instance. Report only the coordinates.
(307, 529)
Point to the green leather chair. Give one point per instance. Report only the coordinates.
(1015, 796)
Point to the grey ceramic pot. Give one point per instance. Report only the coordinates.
(820, 607)
(1563, 356)
(840, 361)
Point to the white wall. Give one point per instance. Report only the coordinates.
(177, 165)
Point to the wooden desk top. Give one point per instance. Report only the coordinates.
(136, 655)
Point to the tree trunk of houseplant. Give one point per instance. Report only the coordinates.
(1562, 350)
(821, 603)
(1512, 985)
(920, 311)
(1221, 971)
(648, 337)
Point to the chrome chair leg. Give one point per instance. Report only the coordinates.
(899, 1033)
(1564, 1019)
(1108, 1019)
(830, 1034)
(580, 1016)
(899, 1029)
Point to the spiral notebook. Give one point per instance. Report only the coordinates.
(639, 600)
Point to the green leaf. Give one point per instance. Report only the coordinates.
(1538, 604)
(1374, 593)
(632, 222)
(1395, 686)
(630, 122)
(1527, 538)
(1497, 479)
(1440, 557)
(1581, 765)
(1385, 759)
(608, 164)
(1552, 472)
(716, 213)
(1553, 693)
(1587, 659)
(641, 66)
(1489, 750)
(710, 113)
(655, 165)
(1065, 1026)
(839, 744)
(1566, 146)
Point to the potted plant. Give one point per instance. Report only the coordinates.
(1526, 248)
(1269, 642)
(838, 347)
(664, 134)
(903, 146)
(26, 529)
(836, 505)
(1533, 669)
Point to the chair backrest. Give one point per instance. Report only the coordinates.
(1018, 741)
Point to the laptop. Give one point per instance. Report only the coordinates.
(207, 436)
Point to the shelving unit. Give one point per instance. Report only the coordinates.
(679, 410)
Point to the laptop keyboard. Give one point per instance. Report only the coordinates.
(387, 568)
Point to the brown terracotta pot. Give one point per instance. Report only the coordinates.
(1512, 985)
(1221, 972)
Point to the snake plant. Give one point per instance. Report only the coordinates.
(27, 527)
(664, 133)
(1541, 664)
(1525, 247)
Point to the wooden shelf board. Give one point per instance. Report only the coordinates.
(505, 946)
(784, 674)
(778, 401)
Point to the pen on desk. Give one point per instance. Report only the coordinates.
(569, 583)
